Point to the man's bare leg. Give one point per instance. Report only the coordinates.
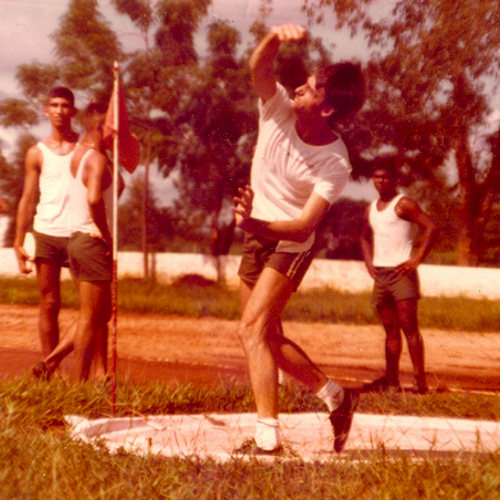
(99, 368)
(408, 319)
(393, 343)
(260, 333)
(48, 275)
(63, 349)
(266, 348)
(94, 314)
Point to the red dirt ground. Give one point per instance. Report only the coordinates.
(172, 348)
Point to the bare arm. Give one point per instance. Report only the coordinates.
(96, 179)
(26, 207)
(263, 57)
(366, 242)
(4, 206)
(298, 230)
(409, 210)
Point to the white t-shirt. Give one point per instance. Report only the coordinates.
(286, 170)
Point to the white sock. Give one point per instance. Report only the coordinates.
(332, 395)
(267, 433)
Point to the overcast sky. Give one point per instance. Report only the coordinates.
(26, 26)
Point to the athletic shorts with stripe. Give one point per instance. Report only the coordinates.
(259, 253)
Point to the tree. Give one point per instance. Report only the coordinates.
(161, 222)
(338, 235)
(219, 123)
(86, 49)
(12, 179)
(428, 97)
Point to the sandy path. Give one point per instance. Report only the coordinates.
(187, 348)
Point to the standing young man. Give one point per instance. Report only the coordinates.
(300, 167)
(391, 260)
(47, 172)
(89, 250)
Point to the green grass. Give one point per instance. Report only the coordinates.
(39, 460)
(199, 299)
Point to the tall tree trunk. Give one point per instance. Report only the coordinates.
(467, 248)
(144, 210)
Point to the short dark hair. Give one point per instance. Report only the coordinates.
(387, 164)
(63, 92)
(96, 108)
(92, 109)
(344, 86)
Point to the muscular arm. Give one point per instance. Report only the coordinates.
(263, 57)
(96, 178)
(26, 207)
(366, 242)
(298, 230)
(409, 210)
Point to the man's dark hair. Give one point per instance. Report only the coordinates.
(387, 164)
(96, 108)
(344, 86)
(63, 92)
(93, 109)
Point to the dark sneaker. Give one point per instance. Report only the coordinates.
(41, 371)
(420, 389)
(341, 418)
(250, 448)
(381, 385)
(420, 386)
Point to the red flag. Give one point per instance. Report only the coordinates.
(129, 153)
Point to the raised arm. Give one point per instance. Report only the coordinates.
(263, 57)
(26, 207)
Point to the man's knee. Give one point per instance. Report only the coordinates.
(244, 332)
(50, 302)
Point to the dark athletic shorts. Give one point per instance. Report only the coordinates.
(259, 253)
(390, 287)
(51, 248)
(89, 258)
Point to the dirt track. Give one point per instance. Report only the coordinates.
(200, 350)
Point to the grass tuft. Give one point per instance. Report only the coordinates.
(39, 460)
(203, 298)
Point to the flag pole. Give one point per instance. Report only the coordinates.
(114, 285)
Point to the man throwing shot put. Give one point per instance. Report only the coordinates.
(300, 167)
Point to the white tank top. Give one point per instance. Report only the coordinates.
(392, 235)
(52, 215)
(81, 218)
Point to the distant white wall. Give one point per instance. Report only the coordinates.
(348, 276)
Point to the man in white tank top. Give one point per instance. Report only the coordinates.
(391, 260)
(89, 250)
(47, 172)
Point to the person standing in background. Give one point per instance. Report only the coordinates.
(392, 261)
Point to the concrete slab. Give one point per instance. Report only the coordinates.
(306, 436)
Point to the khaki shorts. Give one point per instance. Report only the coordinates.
(89, 258)
(390, 287)
(259, 253)
(51, 248)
